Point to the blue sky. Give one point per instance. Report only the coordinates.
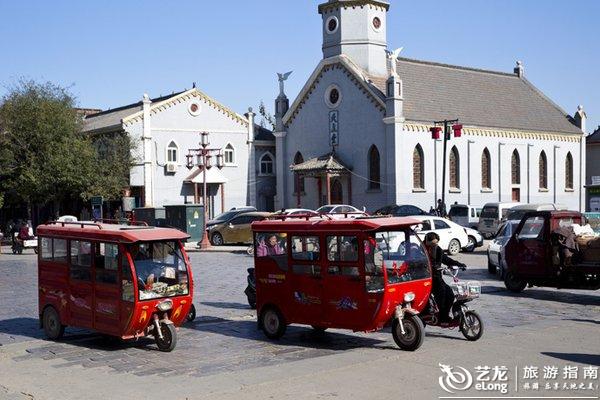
(109, 53)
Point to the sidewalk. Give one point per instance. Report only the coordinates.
(192, 247)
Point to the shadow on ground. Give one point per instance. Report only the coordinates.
(589, 359)
(546, 295)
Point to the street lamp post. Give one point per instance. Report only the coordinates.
(203, 160)
(435, 135)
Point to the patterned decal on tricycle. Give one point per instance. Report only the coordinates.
(303, 298)
(273, 278)
(345, 303)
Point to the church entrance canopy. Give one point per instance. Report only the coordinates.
(328, 168)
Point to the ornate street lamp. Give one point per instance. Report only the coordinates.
(435, 135)
(203, 160)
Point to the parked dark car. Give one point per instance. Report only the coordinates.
(403, 210)
(228, 215)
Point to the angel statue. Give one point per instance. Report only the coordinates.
(392, 57)
(283, 78)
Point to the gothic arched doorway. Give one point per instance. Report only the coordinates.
(337, 193)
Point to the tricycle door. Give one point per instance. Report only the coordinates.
(81, 286)
(531, 247)
(106, 293)
(306, 280)
(343, 282)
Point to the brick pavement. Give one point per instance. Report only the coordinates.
(224, 336)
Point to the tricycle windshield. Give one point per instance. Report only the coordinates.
(160, 269)
(403, 256)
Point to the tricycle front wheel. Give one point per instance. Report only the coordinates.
(169, 337)
(414, 333)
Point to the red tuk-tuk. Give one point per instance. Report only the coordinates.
(120, 280)
(544, 251)
(360, 274)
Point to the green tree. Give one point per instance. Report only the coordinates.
(46, 157)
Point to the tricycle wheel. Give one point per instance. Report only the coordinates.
(272, 323)
(169, 337)
(52, 326)
(318, 329)
(191, 314)
(35, 250)
(471, 326)
(414, 333)
(513, 283)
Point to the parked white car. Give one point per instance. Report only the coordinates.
(453, 237)
(495, 253)
(338, 211)
(296, 211)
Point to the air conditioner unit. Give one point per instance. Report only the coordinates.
(171, 167)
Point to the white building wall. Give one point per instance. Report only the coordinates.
(177, 124)
(501, 150)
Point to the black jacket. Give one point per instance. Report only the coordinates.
(438, 258)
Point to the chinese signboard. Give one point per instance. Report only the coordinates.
(334, 128)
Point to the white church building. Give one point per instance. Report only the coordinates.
(359, 130)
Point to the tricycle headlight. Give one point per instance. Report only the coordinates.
(408, 297)
(165, 305)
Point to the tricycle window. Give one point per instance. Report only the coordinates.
(403, 256)
(342, 248)
(305, 248)
(373, 266)
(533, 228)
(271, 244)
(81, 260)
(160, 269)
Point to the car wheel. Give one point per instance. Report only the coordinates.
(454, 247)
(216, 239)
(471, 244)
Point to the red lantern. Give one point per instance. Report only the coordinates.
(457, 128)
(435, 132)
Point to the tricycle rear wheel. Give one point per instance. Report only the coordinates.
(272, 323)
(52, 325)
(169, 337)
(191, 314)
(513, 283)
(414, 333)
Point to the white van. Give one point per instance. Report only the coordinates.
(490, 217)
(517, 212)
(465, 215)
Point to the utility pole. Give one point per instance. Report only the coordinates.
(435, 134)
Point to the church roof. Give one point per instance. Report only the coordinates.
(434, 91)
(594, 137)
(262, 133)
(113, 117)
(326, 163)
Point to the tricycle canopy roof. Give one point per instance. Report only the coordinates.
(311, 224)
(109, 232)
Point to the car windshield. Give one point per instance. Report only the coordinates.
(489, 212)
(325, 209)
(226, 216)
(160, 269)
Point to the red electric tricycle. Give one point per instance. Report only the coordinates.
(361, 274)
(120, 280)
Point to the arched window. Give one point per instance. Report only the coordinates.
(374, 168)
(229, 154)
(266, 164)
(454, 168)
(418, 168)
(172, 152)
(486, 170)
(569, 171)
(543, 166)
(516, 168)
(298, 183)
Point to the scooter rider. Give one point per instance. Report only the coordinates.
(442, 292)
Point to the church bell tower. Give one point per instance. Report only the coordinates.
(358, 29)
